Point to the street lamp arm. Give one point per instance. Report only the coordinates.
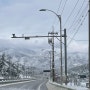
(54, 13)
(59, 16)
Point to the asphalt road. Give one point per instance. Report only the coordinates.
(29, 85)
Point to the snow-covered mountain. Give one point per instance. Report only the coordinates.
(41, 59)
(29, 57)
(77, 59)
(83, 70)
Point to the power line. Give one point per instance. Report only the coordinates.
(82, 40)
(77, 21)
(71, 12)
(57, 10)
(78, 29)
(59, 5)
(76, 39)
(77, 14)
(64, 7)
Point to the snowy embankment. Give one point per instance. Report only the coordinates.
(56, 86)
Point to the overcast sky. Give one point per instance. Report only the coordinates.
(23, 17)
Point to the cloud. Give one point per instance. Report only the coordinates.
(23, 17)
(29, 44)
(77, 47)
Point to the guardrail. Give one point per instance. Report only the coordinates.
(13, 81)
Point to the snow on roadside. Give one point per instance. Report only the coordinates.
(71, 85)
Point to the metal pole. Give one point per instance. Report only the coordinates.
(50, 64)
(65, 42)
(53, 72)
(28, 37)
(59, 17)
(61, 48)
(89, 43)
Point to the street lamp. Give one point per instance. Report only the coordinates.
(59, 17)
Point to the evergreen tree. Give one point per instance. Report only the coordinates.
(2, 64)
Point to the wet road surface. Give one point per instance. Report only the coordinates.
(28, 85)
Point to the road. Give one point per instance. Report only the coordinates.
(27, 85)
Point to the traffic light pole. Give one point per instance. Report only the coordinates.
(52, 35)
(65, 46)
(28, 37)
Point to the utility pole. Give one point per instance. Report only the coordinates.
(51, 41)
(89, 42)
(53, 67)
(50, 64)
(65, 46)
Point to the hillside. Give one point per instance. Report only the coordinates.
(41, 60)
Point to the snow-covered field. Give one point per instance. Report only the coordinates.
(70, 86)
(81, 87)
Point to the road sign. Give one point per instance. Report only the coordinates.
(46, 70)
(82, 76)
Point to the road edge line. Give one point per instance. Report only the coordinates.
(40, 86)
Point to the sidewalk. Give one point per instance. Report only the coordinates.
(56, 86)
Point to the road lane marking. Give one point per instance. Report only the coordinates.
(16, 83)
(40, 86)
